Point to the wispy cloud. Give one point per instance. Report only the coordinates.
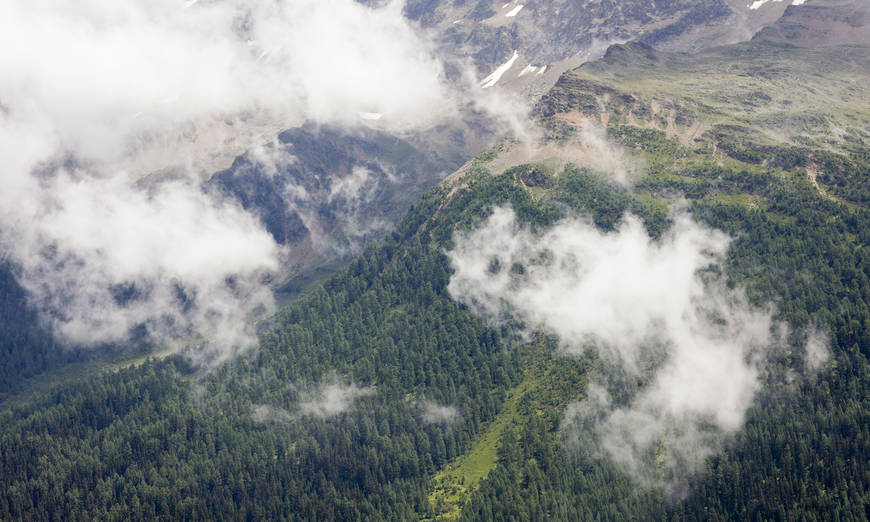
(332, 397)
(653, 313)
(434, 413)
(265, 414)
(93, 89)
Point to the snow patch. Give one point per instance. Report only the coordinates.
(527, 70)
(513, 12)
(370, 115)
(758, 3)
(541, 71)
(496, 75)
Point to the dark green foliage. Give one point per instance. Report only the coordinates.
(532, 175)
(27, 348)
(804, 451)
(741, 145)
(803, 454)
(846, 177)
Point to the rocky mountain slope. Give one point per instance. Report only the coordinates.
(822, 23)
(516, 47)
(552, 37)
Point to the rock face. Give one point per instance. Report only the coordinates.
(822, 23)
(551, 31)
(323, 191)
(326, 191)
(562, 34)
(551, 37)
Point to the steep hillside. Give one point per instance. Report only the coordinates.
(324, 188)
(380, 396)
(552, 37)
(294, 190)
(817, 23)
(297, 198)
(325, 192)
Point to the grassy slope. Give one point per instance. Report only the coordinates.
(454, 484)
(786, 94)
(550, 381)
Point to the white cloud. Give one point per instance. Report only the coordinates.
(584, 284)
(105, 69)
(332, 398)
(272, 158)
(265, 414)
(356, 185)
(817, 351)
(100, 258)
(596, 151)
(90, 92)
(434, 413)
(648, 309)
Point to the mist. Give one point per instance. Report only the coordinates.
(266, 414)
(101, 95)
(435, 413)
(331, 398)
(683, 352)
(134, 67)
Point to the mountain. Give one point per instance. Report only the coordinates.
(325, 192)
(547, 38)
(552, 37)
(520, 48)
(381, 395)
(822, 23)
(766, 92)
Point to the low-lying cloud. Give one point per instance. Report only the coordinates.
(817, 351)
(100, 259)
(324, 400)
(652, 311)
(106, 71)
(434, 413)
(266, 414)
(88, 93)
(332, 398)
(594, 150)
